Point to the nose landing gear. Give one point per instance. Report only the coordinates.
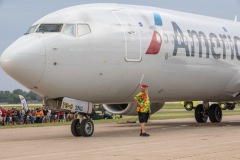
(82, 126)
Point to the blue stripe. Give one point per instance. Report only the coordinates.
(157, 19)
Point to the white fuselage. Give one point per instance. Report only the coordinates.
(198, 57)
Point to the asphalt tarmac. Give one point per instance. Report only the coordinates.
(180, 139)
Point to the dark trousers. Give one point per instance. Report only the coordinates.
(143, 117)
(38, 120)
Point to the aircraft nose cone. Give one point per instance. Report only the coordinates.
(24, 60)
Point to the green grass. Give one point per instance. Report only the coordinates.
(19, 106)
(170, 111)
(173, 106)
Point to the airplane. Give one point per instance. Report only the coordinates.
(102, 53)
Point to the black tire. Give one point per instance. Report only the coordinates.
(199, 114)
(223, 106)
(87, 127)
(215, 113)
(231, 106)
(188, 106)
(76, 128)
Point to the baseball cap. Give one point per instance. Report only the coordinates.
(144, 86)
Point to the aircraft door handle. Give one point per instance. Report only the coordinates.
(131, 32)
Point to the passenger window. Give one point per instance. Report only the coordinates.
(172, 39)
(227, 44)
(69, 29)
(165, 37)
(185, 40)
(83, 29)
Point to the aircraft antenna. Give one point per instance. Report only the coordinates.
(141, 79)
(139, 84)
(236, 18)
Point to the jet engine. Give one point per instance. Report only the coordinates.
(130, 108)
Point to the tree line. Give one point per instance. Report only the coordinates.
(13, 98)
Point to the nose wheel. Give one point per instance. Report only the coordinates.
(84, 128)
(75, 128)
(87, 127)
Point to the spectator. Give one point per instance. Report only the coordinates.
(27, 117)
(31, 118)
(44, 115)
(33, 114)
(4, 114)
(9, 116)
(53, 116)
(61, 116)
(19, 116)
(24, 115)
(39, 115)
(67, 116)
(48, 117)
(0, 114)
(14, 116)
(57, 116)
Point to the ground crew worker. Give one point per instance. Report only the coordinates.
(143, 108)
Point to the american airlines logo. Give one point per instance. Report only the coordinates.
(156, 41)
(214, 45)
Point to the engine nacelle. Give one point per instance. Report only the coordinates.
(130, 108)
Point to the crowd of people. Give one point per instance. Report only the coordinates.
(17, 116)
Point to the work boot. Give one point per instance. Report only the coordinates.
(144, 134)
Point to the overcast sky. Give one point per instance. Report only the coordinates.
(16, 16)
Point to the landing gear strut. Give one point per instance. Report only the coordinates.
(214, 112)
(82, 126)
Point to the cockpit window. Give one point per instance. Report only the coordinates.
(83, 29)
(32, 29)
(49, 28)
(69, 29)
